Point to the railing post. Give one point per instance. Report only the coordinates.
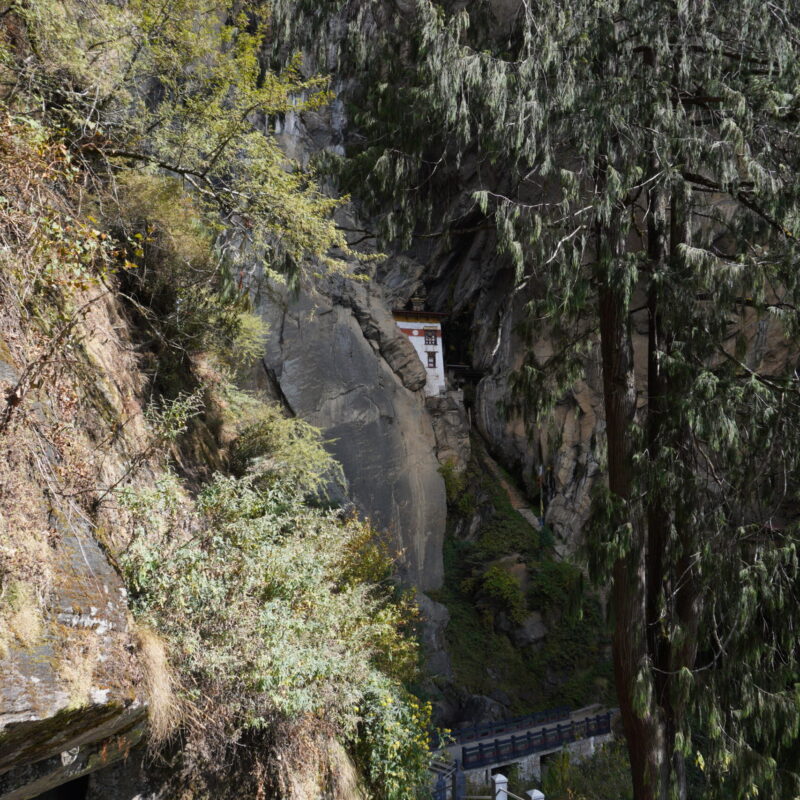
(459, 784)
(500, 784)
(441, 788)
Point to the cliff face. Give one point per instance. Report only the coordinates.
(557, 461)
(335, 354)
(341, 363)
(71, 698)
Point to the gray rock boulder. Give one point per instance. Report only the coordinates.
(435, 618)
(339, 362)
(451, 428)
(532, 631)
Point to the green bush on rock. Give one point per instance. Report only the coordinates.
(272, 613)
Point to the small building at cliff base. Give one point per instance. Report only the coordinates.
(424, 331)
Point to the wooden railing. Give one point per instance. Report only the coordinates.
(475, 732)
(513, 747)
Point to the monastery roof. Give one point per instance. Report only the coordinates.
(419, 314)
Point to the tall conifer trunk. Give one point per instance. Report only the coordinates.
(628, 592)
(629, 572)
(658, 511)
(687, 595)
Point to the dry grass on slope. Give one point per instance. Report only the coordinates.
(71, 420)
(163, 707)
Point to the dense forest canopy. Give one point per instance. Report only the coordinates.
(638, 161)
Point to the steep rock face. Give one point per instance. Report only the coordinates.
(72, 690)
(451, 428)
(560, 459)
(340, 363)
(70, 679)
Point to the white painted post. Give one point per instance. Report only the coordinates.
(535, 794)
(500, 783)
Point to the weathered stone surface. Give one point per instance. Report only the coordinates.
(477, 289)
(435, 618)
(451, 429)
(96, 749)
(532, 631)
(72, 692)
(69, 676)
(381, 331)
(136, 777)
(81, 662)
(479, 709)
(330, 355)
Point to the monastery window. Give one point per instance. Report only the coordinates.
(430, 336)
(431, 360)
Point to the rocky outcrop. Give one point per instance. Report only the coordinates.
(435, 618)
(68, 703)
(451, 429)
(340, 362)
(533, 631)
(70, 700)
(337, 359)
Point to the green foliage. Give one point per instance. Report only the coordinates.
(485, 603)
(637, 162)
(569, 668)
(454, 482)
(274, 610)
(182, 88)
(505, 531)
(602, 776)
(183, 290)
(169, 420)
(501, 593)
(460, 498)
(50, 253)
(393, 744)
(277, 448)
(555, 585)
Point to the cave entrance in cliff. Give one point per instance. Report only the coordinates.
(457, 332)
(74, 790)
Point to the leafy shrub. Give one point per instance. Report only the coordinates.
(277, 448)
(180, 88)
(273, 613)
(164, 112)
(454, 482)
(460, 499)
(506, 531)
(602, 776)
(556, 586)
(393, 743)
(184, 293)
(501, 594)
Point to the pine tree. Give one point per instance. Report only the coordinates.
(639, 161)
